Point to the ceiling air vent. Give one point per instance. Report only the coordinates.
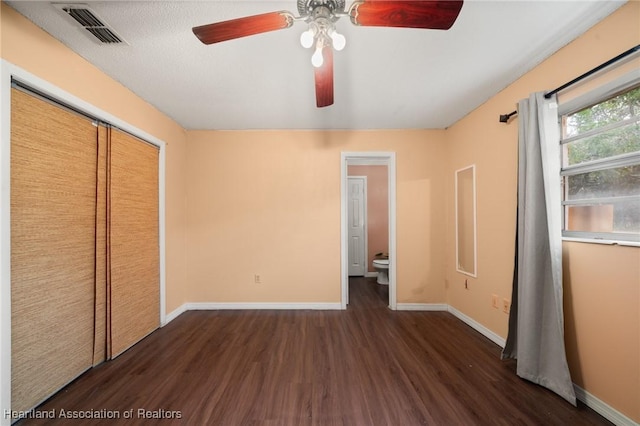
(88, 20)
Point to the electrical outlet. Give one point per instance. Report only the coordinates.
(257, 279)
(494, 301)
(506, 304)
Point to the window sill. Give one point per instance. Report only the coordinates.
(605, 242)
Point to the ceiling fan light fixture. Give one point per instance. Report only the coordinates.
(321, 16)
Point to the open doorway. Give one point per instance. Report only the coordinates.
(357, 159)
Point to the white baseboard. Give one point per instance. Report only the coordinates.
(602, 408)
(174, 314)
(421, 307)
(261, 305)
(477, 326)
(370, 274)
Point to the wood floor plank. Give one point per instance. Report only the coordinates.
(367, 365)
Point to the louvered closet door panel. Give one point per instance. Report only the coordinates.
(133, 241)
(53, 201)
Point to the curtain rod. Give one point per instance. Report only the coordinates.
(504, 118)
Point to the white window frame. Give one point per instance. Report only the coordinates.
(600, 94)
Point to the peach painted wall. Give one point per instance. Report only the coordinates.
(602, 301)
(28, 47)
(268, 203)
(377, 209)
(602, 322)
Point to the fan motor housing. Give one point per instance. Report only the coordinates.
(306, 7)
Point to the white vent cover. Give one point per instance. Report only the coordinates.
(87, 19)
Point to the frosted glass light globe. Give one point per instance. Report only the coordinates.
(317, 60)
(306, 39)
(339, 41)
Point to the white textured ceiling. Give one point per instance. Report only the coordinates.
(385, 78)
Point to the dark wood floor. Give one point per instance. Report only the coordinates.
(364, 366)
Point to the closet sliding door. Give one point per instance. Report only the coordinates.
(85, 262)
(53, 222)
(133, 240)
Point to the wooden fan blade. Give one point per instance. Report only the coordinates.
(242, 27)
(324, 79)
(435, 15)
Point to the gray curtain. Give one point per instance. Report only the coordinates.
(536, 320)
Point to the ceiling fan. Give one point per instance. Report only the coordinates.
(321, 16)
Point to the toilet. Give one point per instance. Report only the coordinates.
(382, 267)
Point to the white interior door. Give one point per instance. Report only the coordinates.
(357, 220)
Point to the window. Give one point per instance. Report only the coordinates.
(601, 169)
